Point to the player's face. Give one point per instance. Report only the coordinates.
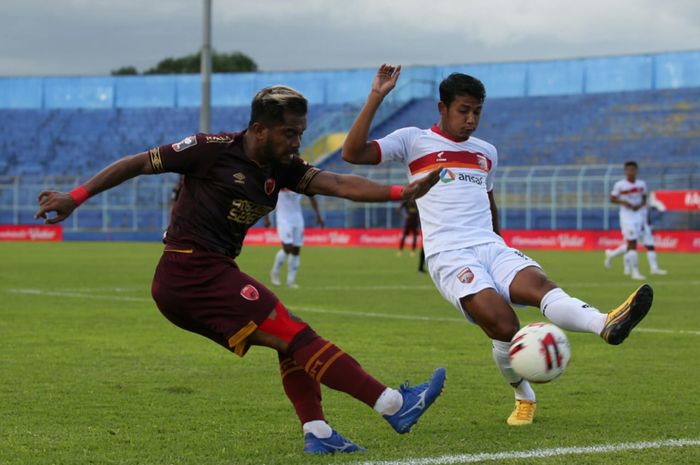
(631, 173)
(461, 118)
(284, 139)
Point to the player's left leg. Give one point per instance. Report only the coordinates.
(532, 287)
(611, 254)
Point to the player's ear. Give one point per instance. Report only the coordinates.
(259, 130)
(442, 108)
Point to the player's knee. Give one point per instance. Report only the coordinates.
(502, 330)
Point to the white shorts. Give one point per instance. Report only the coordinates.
(291, 233)
(463, 272)
(632, 229)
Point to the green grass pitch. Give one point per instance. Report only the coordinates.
(91, 373)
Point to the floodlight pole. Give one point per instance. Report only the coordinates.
(205, 107)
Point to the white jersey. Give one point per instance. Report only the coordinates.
(288, 209)
(456, 212)
(634, 193)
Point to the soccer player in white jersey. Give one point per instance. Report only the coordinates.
(469, 262)
(290, 229)
(631, 194)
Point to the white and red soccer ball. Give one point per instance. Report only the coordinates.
(539, 352)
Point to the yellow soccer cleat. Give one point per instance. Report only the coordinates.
(624, 318)
(523, 414)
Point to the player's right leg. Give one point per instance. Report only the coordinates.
(324, 362)
(472, 291)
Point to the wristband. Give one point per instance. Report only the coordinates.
(396, 193)
(79, 195)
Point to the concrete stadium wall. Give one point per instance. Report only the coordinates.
(559, 77)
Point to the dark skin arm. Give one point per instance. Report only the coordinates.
(113, 175)
(361, 189)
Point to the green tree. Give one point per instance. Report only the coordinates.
(125, 71)
(234, 62)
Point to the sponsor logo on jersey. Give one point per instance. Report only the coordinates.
(239, 178)
(447, 176)
(269, 186)
(246, 212)
(249, 292)
(214, 139)
(466, 276)
(440, 158)
(185, 143)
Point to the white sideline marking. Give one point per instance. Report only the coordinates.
(539, 453)
(390, 316)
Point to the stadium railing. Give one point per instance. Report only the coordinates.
(529, 197)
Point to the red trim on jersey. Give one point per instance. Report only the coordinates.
(633, 190)
(446, 159)
(379, 151)
(436, 129)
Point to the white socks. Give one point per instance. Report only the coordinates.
(279, 261)
(389, 402)
(632, 261)
(651, 258)
(318, 428)
(523, 390)
(570, 313)
(292, 267)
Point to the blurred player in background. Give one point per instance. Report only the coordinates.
(411, 224)
(630, 194)
(290, 229)
(467, 259)
(231, 180)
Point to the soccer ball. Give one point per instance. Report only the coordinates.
(539, 352)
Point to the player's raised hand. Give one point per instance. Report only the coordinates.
(59, 202)
(385, 80)
(421, 187)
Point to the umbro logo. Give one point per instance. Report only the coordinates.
(239, 178)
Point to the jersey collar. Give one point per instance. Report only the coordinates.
(436, 129)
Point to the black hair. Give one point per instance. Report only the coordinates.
(270, 104)
(631, 163)
(461, 84)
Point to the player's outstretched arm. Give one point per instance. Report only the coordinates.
(356, 148)
(361, 189)
(63, 203)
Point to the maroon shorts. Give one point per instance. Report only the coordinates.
(206, 293)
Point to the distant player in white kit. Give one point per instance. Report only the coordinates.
(290, 229)
(631, 194)
(469, 262)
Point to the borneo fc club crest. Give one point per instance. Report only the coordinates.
(465, 276)
(269, 186)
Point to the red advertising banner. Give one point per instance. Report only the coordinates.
(681, 200)
(678, 241)
(10, 232)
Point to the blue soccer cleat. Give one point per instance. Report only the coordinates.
(335, 443)
(416, 401)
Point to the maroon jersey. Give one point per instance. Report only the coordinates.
(224, 192)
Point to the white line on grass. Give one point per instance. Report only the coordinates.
(539, 453)
(390, 316)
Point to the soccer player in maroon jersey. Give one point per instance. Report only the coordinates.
(411, 224)
(230, 181)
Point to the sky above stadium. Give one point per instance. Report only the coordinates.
(93, 37)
